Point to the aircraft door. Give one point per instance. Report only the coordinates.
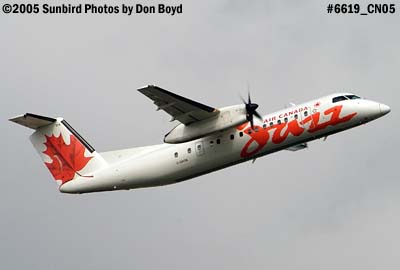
(199, 148)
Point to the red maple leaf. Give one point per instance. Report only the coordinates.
(67, 159)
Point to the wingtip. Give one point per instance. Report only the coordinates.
(146, 86)
(13, 119)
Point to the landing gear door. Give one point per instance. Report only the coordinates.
(199, 148)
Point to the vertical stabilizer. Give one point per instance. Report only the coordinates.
(65, 153)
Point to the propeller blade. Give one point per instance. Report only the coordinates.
(251, 121)
(251, 110)
(258, 115)
(252, 107)
(243, 100)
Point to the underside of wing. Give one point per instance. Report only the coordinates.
(180, 108)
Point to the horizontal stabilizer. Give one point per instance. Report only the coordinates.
(33, 121)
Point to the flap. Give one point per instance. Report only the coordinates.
(180, 108)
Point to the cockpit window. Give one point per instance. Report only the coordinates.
(352, 97)
(339, 98)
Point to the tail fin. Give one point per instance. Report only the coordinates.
(65, 153)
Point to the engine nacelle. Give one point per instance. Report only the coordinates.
(228, 117)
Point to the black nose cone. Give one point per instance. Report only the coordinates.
(252, 107)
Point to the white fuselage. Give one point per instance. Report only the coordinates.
(171, 163)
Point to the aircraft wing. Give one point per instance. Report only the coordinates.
(180, 108)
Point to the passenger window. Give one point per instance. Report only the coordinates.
(352, 97)
(296, 116)
(249, 131)
(305, 113)
(286, 119)
(176, 154)
(189, 150)
(264, 126)
(211, 142)
(218, 141)
(232, 136)
(279, 122)
(271, 124)
(256, 129)
(241, 134)
(199, 147)
(339, 98)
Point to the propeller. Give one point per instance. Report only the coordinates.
(251, 110)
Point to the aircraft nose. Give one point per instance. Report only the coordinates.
(385, 109)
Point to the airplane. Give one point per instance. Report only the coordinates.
(206, 139)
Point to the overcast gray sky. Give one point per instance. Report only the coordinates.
(332, 206)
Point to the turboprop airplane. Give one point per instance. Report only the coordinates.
(206, 139)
